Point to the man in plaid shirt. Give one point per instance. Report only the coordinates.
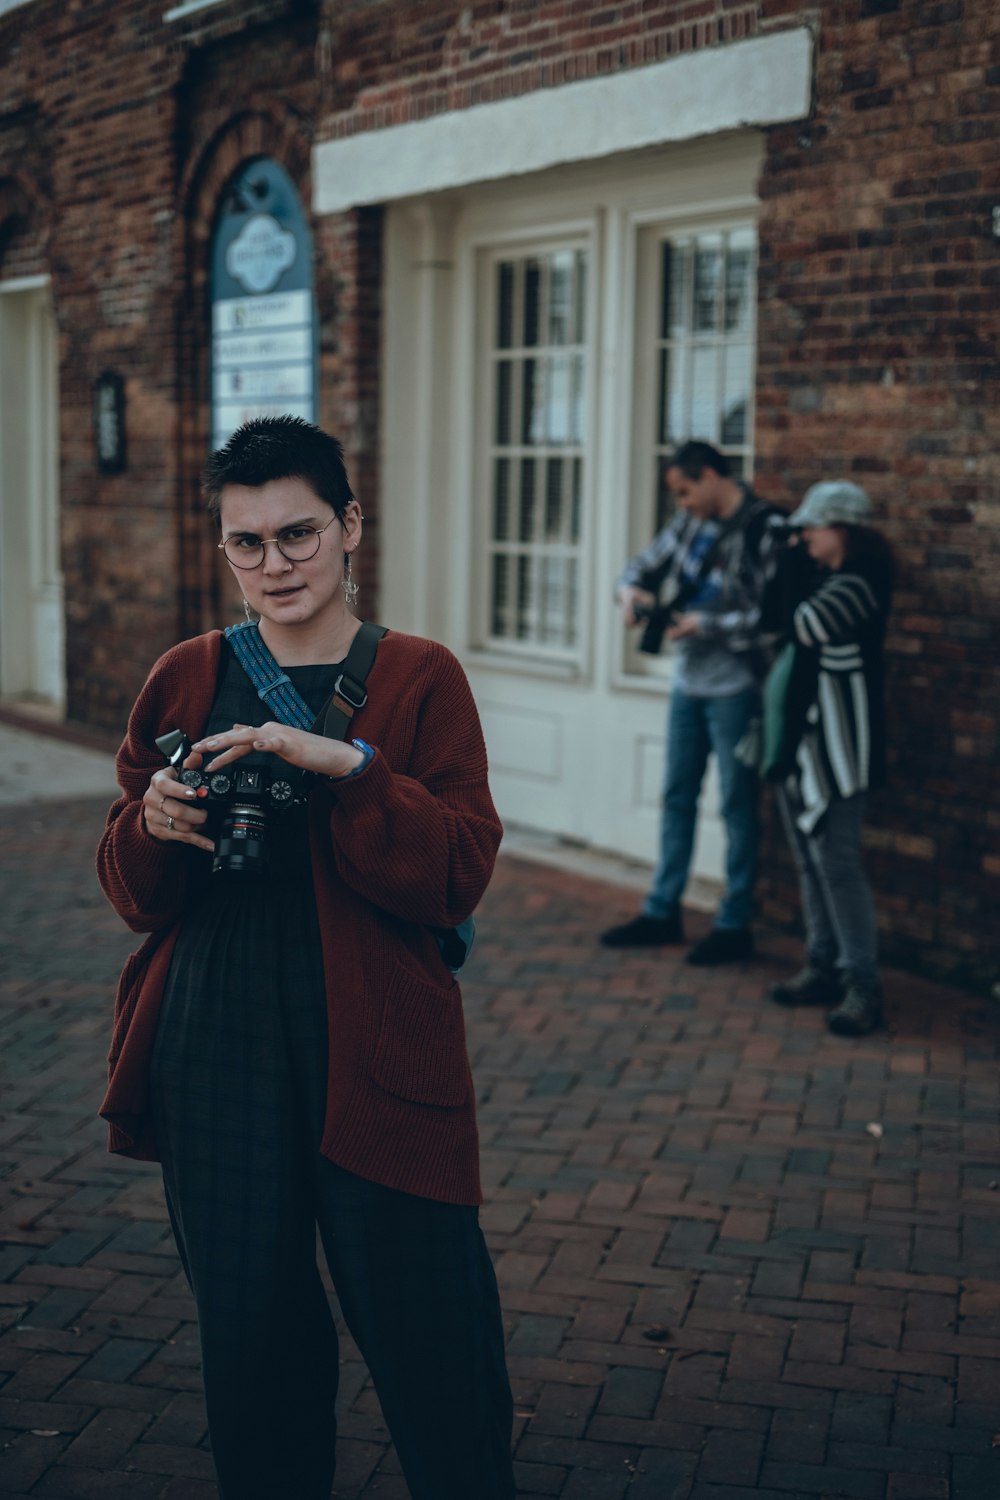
(715, 558)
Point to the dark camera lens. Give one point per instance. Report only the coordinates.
(240, 848)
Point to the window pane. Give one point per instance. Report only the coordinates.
(580, 296)
(504, 369)
(500, 600)
(501, 499)
(707, 282)
(578, 401)
(704, 393)
(561, 298)
(558, 398)
(664, 508)
(574, 524)
(571, 613)
(554, 508)
(532, 292)
(532, 403)
(674, 291)
(553, 601)
(505, 305)
(527, 528)
(525, 598)
(739, 282)
(736, 398)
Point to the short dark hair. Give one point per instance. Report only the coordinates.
(694, 457)
(267, 448)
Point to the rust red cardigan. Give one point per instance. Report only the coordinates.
(406, 845)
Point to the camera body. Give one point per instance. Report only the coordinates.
(658, 619)
(240, 800)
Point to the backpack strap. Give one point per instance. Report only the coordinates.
(274, 686)
(349, 692)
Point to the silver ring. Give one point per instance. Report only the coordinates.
(170, 823)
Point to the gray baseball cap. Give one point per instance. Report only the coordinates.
(834, 502)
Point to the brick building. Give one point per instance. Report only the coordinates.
(520, 248)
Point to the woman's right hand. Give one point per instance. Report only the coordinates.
(171, 812)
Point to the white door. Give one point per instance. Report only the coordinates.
(548, 341)
(32, 640)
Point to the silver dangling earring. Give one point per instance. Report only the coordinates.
(349, 586)
(246, 610)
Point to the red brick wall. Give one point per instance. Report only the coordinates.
(112, 127)
(391, 62)
(879, 321)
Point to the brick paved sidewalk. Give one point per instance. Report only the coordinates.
(739, 1257)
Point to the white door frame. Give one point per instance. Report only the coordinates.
(431, 416)
(32, 625)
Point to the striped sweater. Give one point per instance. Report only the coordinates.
(843, 621)
(840, 625)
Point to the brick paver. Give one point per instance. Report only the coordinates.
(739, 1257)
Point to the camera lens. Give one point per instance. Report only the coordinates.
(240, 848)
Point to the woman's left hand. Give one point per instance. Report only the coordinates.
(312, 752)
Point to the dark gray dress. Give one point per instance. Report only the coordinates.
(238, 1091)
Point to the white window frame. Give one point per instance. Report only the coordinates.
(481, 254)
(635, 671)
(488, 357)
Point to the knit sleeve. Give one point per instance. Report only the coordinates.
(422, 844)
(837, 612)
(142, 877)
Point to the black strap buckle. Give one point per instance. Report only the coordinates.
(352, 691)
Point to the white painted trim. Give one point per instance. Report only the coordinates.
(25, 283)
(762, 81)
(188, 8)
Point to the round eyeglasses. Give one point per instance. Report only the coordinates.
(298, 543)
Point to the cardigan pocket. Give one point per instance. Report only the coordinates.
(420, 1053)
(133, 977)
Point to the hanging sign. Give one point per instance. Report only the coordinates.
(264, 333)
(109, 422)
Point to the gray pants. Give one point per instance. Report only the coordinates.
(837, 905)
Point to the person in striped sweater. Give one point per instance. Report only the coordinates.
(831, 600)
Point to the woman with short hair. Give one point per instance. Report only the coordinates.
(289, 1041)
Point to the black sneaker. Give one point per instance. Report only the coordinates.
(810, 986)
(723, 945)
(858, 1013)
(645, 932)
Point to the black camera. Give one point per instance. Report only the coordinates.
(240, 799)
(658, 618)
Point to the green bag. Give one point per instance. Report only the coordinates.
(776, 693)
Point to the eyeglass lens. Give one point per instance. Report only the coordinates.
(297, 543)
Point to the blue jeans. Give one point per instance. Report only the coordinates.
(696, 727)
